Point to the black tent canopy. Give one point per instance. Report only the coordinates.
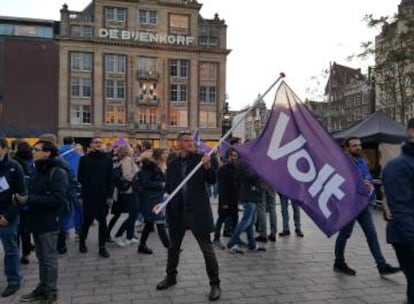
(376, 128)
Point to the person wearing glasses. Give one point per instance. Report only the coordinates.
(45, 202)
(97, 187)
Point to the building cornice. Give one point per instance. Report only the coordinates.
(153, 46)
(188, 4)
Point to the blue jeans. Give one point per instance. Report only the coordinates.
(9, 238)
(367, 224)
(246, 223)
(284, 201)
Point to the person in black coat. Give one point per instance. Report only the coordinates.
(152, 180)
(46, 200)
(23, 156)
(227, 195)
(96, 179)
(190, 208)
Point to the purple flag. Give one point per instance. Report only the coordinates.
(119, 142)
(202, 146)
(297, 157)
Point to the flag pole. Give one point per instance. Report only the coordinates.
(159, 207)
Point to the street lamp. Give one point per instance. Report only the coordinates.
(226, 119)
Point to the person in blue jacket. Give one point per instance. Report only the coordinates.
(353, 147)
(398, 181)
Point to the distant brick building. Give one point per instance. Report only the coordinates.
(29, 66)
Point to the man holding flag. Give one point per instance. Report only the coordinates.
(353, 148)
(190, 208)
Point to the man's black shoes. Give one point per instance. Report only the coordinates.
(284, 233)
(261, 239)
(10, 290)
(104, 253)
(272, 238)
(387, 269)
(166, 283)
(215, 293)
(83, 248)
(299, 233)
(344, 268)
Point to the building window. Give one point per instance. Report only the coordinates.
(179, 68)
(115, 115)
(178, 93)
(208, 71)
(178, 118)
(81, 31)
(179, 24)
(147, 66)
(147, 17)
(81, 87)
(115, 64)
(115, 89)
(80, 115)
(209, 42)
(81, 62)
(207, 94)
(115, 14)
(208, 119)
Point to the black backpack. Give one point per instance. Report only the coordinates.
(72, 191)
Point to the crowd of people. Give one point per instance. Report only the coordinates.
(46, 191)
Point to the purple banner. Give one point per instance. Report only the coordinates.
(202, 146)
(297, 157)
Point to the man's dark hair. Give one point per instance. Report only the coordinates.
(24, 150)
(410, 124)
(229, 151)
(3, 143)
(348, 140)
(68, 140)
(48, 146)
(14, 143)
(146, 145)
(183, 133)
(235, 141)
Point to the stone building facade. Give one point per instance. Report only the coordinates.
(141, 70)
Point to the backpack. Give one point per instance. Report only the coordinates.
(72, 190)
(120, 182)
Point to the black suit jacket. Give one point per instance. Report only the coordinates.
(197, 194)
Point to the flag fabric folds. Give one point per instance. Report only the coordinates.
(298, 158)
(201, 145)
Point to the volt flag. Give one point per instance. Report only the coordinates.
(297, 157)
(201, 145)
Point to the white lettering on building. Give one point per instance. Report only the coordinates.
(295, 152)
(145, 37)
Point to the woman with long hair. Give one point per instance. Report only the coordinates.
(127, 198)
(152, 179)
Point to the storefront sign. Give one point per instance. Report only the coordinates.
(145, 37)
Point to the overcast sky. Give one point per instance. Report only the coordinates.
(298, 37)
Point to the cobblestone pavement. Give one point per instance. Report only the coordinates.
(292, 270)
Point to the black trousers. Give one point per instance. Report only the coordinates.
(177, 232)
(24, 234)
(100, 216)
(231, 216)
(162, 232)
(405, 256)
